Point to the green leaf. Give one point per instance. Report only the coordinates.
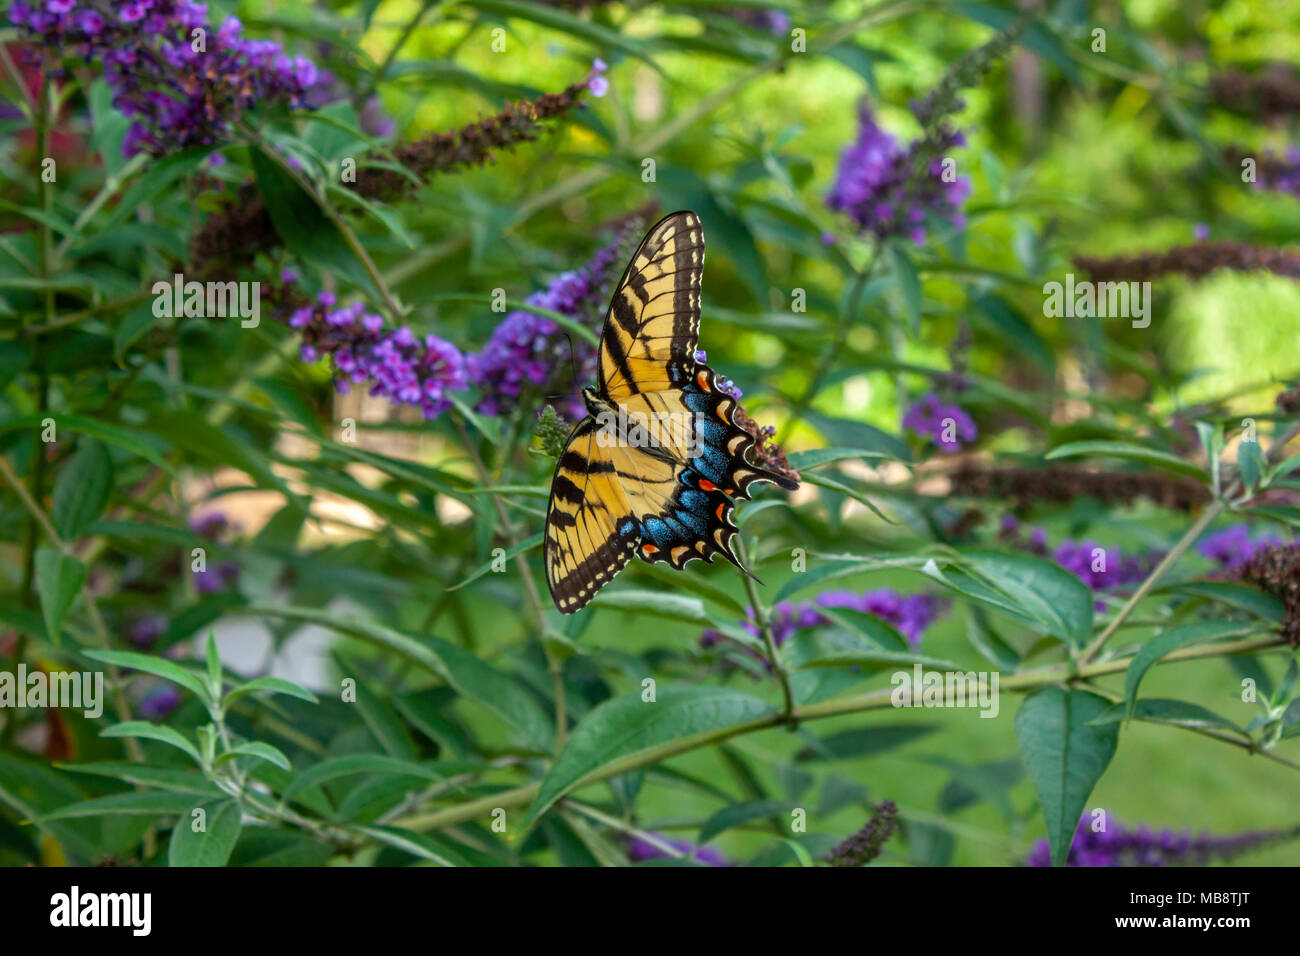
(159, 732)
(864, 742)
(383, 722)
(212, 845)
(741, 813)
(1116, 449)
(1241, 596)
(417, 844)
(271, 685)
(533, 542)
(822, 481)
(695, 583)
(301, 223)
(674, 607)
(124, 438)
(135, 324)
(1064, 756)
(817, 457)
(994, 313)
(1168, 640)
(626, 728)
(1251, 463)
(59, 579)
(601, 37)
(1158, 710)
(81, 490)
(262, 751)
(214, 666)
(158, 666)
(151, 803)
(333, 768)
(160, 778)
(1031, 588)
(501, 694)
(908, 282)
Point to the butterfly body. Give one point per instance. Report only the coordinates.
(657, 467)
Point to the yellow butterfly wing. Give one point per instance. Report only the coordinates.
(590, 532)
(654, 316)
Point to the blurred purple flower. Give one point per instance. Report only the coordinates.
(877, 187)
(933, 419)
(775, 22)
(638, 851)
(1281, 174)
(911, 614)
(1117, 845)
(213, 580)
(147, 630)
(1233, 546)
(157, 703)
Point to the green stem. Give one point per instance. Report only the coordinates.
(382, 73)
(875, 700)
(1212, 511)
(764, 621)
(325, 206)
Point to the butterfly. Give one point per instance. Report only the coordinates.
(656, 467)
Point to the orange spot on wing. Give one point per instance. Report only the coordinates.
(706, 485)
(728, 491)
(703, 380)
(649, 549)
(721, 506)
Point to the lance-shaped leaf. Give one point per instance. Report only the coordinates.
(1064, 756)
(629, 728)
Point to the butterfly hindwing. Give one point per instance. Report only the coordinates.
(654, 315)
(590, 532)
(697, 521)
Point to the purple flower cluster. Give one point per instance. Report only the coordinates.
(158, 702)
(402, 368)
(1281, 174)
(639, 851)
(775, 22)
(1117, 845)
(725, 385)
(144, 631)
(1233, 546)
(947, 426)
(1109, 569)
(214, 526)
(596, 81)
(911, 614)
(876, 184)
(528, 351)
(182, 83)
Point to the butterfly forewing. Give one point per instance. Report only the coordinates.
(654, 317)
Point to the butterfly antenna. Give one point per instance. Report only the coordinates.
(573, 369)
